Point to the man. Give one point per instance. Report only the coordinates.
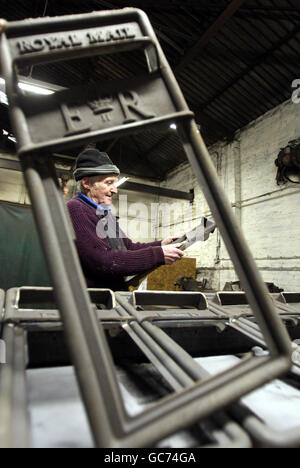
(107, 255)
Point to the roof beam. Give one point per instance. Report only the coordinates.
(255, 63)
(161, 191)
(209, 34)
(15, 165)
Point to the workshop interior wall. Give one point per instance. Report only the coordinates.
(12, 185)
(267, 213)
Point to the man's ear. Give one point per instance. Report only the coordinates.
(85, 182)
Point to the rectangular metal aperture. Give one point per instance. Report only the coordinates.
(93, 113)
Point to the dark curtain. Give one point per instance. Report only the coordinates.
(21, 258)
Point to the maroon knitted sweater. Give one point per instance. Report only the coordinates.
(103, 266)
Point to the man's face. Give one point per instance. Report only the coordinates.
(101, 188)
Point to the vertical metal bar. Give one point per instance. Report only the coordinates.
(275, 334)
(85, 336)
(14, 417)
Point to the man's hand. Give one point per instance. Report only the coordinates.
(168, 240)
(172, 253)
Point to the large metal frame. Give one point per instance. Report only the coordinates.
(72, 117)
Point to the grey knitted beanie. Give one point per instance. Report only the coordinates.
(92, 162)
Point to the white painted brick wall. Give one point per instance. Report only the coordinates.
(12, 184)
(269, 213)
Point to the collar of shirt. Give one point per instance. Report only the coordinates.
(101, 209)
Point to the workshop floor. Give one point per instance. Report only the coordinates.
(58, 417)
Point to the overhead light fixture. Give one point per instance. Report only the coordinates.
(173, 126)
(34, 89)
(121, 181)
(11, 138)
(3, 98)
(5, 133)
(31, 86)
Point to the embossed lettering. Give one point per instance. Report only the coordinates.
(26, 47)
(56, 42)
(110, 35)
(75, 41)
(70, 117)
(114, 35)
(106, 117)
(52, 42)
(60, 42)
(101, 105)
(129, 104)
(95, 38)
(127, 33)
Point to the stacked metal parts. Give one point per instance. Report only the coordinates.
(156, 339)
(95, 334)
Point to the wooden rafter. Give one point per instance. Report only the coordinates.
(209, 34)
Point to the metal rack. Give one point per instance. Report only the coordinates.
(68, 118)
(154, 323)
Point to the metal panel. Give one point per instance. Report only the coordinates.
(110, 423)
(2, 297)
(14, 418)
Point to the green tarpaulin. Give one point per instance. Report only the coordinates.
(21, 258)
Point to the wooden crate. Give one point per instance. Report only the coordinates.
(164, 277)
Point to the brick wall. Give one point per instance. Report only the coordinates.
(268, 213)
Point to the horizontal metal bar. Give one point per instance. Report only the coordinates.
(58, 23)
(15, 165)
(11, 164)
(194, 403)
(263, 434)
(160, 191)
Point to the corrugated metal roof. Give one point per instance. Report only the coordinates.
(232, 68)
